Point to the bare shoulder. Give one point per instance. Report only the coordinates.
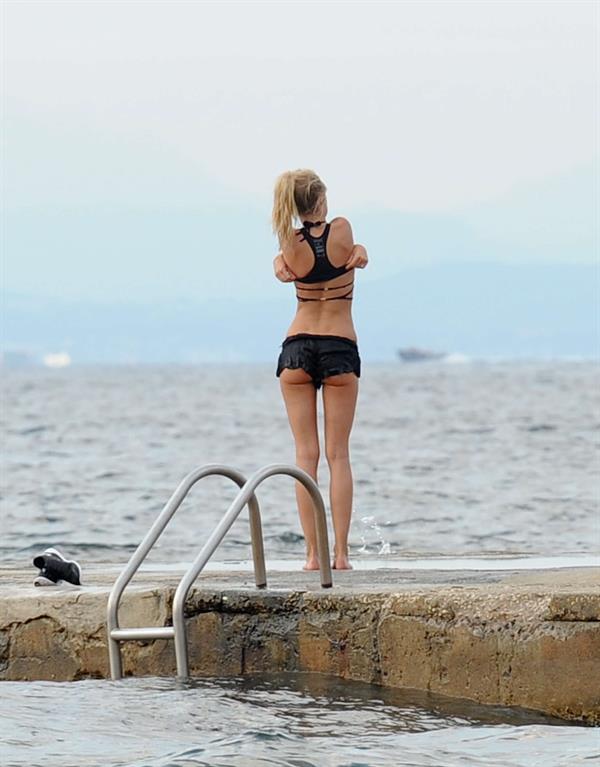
(291, 247)
(340, 223)
(341, 230)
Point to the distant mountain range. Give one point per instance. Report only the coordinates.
(211, 244)
(478, 309)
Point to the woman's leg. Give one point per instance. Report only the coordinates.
(300, 397)
(339, 402)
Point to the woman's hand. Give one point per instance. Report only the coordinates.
(358, 258)
(282, 270)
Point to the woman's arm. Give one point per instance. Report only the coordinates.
(358, 258)
(282, 270)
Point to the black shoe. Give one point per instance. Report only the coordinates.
(54, 568)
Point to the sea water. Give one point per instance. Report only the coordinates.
(472, 459)
(477, 460)
(295, 720)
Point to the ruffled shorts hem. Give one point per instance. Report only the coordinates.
(320, 357)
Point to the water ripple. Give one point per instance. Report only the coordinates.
(282, 719)
(481, 458)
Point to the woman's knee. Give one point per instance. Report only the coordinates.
(337, 452)
(307, 454)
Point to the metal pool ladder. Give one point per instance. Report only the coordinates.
(246, 495)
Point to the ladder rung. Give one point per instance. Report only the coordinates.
(153, 632)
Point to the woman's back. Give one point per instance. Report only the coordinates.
(324, 287)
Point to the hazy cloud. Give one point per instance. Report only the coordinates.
(415, 106)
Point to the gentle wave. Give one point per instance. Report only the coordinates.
(311, 720)
(454, 459)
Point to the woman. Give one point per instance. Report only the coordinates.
(320, 346)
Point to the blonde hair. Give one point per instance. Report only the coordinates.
(297, 193)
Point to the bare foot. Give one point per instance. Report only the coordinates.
(312, 563)
(341, 562)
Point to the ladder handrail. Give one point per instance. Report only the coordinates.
(155, 532)
(245, 496)
(242, 498)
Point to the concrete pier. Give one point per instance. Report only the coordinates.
(519, 638)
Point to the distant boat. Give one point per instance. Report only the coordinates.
(59, 360)
(414, 354)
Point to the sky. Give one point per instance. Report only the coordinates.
(141, 140)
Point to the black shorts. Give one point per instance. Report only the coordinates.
(319, 356)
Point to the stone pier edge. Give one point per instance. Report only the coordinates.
(525, 643)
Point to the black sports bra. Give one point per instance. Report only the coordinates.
(323, 270)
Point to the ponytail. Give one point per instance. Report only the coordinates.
(284, 207)
(297, 194)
